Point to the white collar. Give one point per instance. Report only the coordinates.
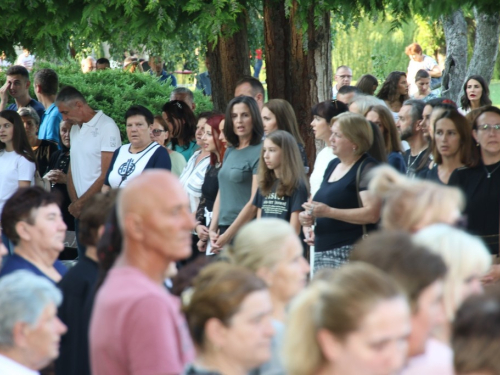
(10, 367)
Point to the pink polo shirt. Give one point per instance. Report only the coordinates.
(137, 327)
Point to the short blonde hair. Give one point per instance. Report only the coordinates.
(365, 102)
(338, 303)
(463, 254)
(257, 245)
(408, 201)
(357, 129)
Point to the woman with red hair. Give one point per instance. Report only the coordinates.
(216, 147)
(420, 61)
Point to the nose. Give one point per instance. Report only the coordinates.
(305, 266)
(61, 328)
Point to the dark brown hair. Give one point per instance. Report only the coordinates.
(94, 216)
(19, 139)
(463, 129)
(412, 266)
(389, 90)
(183, 134)
(367, 84)
(285, 117)
(21, 206)
(257, 126)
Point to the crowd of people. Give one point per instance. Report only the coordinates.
(205, 248)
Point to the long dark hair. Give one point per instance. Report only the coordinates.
(468, 154)
(183, 134)
(19, 138)
(485, 95)
(109, 246)
(257, 126)
(390, 133)
(285, 117)
(389, 90)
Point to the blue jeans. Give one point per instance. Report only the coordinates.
(80, 247)
(257, 68)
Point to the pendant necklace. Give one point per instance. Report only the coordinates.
(414, 160)
(488, 173)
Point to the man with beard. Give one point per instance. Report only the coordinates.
(410, 127)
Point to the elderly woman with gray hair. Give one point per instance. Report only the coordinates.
(42, 148)
(29, 327)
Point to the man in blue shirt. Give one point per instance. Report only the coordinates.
(46, 86)
(17, 85)
(156, 64)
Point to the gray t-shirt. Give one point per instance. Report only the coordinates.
(235, 181)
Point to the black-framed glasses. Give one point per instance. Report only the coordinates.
(487, 128)
(157, 132)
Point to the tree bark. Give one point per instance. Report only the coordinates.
(485, 45)
(298, 65)
(229, 61)
(455, 31)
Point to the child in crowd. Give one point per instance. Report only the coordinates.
(423, 82)
(282, 181)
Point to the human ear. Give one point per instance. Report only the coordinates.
(329, 345)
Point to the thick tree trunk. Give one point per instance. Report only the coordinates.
(455, 31)
(229, 61)
(298, 66)
(485, 45)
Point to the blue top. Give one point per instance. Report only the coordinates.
(15, 262)
(164, 76)
(187, 151)
(37, 106)
(396, 160)
(49, 127)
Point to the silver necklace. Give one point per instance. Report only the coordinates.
(414, 160)
(488, 173)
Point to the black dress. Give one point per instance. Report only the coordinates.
(431, 174)
(482, 201)
(60, 160)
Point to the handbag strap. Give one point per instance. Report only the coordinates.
(360, 203)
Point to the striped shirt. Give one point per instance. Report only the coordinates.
(192, 178)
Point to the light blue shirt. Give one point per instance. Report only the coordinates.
(49, 128)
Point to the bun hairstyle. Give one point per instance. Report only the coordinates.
(258, 244)
(338, 302)
(408, 201)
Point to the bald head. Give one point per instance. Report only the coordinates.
(154, 216)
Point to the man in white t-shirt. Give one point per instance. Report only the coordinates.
(94, 137)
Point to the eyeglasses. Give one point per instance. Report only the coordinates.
(157, 132)
(487, 127)
(344, 77)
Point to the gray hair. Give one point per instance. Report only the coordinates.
(183, 91)
(68, 94)
(417, 109)
(23, 297)
(29, 112)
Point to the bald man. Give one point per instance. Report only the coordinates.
(136, 325)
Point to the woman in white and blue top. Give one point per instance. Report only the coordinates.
(130, 160)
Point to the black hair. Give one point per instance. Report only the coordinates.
(139, 110)
(178, 110)
(257, 126)
(257, 87)
(102, 61)
(329, 109)
(348, 89)
(18, 70)
(485, 95)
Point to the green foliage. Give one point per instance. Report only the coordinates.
(114, 91)
(371, 47)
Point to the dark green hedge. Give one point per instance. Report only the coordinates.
(114, 91)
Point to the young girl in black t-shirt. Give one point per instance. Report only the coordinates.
(282, 181)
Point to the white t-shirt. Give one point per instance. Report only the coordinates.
(324, 157)
(192, 178)
(87, 142)
(129, 165)
(26, 61)
(13, 168)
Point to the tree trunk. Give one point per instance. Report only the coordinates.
(298, 66)
(485, 45)
(455, 31)
(229, 61)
